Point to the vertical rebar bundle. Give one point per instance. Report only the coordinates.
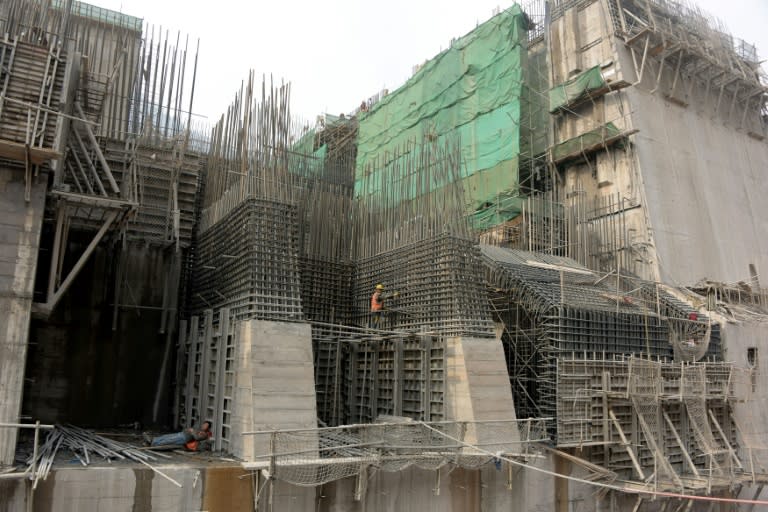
(413, 195)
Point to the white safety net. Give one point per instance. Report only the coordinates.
(316, 456)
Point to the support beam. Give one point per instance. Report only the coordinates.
(680, 444)
(97, 150)
(50, 304)
(725, 439)
(53, 275)
(88, 160)
(562, 467)
(626, 445)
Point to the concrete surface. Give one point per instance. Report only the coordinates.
(225, 488)
(705, 189)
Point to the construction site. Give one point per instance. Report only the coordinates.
(528, 278)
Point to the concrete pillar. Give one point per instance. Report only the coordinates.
(275, 383)
(477, 386)
(20, 226)
(562, 467)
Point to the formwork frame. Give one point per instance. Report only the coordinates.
(673, 420)
(205, 374)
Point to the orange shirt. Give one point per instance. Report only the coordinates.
(193, 444)
(376, 303)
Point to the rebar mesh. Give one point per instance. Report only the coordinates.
(249, 262)
(551, 308)
(439, 286)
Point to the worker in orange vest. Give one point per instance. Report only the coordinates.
(377, 306)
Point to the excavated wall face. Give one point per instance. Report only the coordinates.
(93, 364)
(20, 225)
(222, 488)
(600, 186)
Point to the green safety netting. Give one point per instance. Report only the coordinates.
(306, 144)
(473, 89)
(504, 207)
(586, 142)
(305, 147)
(575, 89)
(320, 153)
(101, 14)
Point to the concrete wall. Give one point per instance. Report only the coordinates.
(134, 489)
(751, 412)
(705, 191)
(477, 382)
(229, 488)
(581, 39)
(477, 388)
(20, 226)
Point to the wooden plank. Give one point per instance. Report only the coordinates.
(89, 200)
(18, 152)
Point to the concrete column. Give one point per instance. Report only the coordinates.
(20, 226)
(274, 381)
(562, 467)
(477, 385)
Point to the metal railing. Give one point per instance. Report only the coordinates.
(31, 470)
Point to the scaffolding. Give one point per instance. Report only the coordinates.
(676, 47)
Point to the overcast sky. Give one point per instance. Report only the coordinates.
(338, 52)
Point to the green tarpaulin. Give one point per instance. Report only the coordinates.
(575, 89)
(473, 89)
(585, 142)
(504, 207)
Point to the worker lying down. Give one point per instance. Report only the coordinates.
(191, 439)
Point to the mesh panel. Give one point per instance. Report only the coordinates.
(694, 388)
(690, 339)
